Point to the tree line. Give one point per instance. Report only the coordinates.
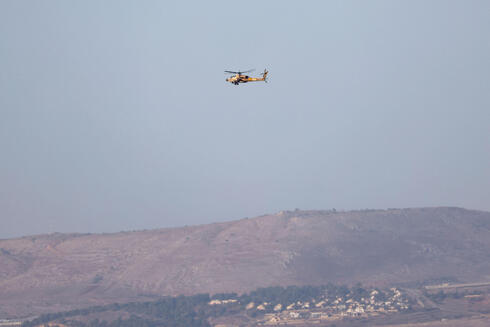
(194, 311)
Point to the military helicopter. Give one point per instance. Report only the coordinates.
(240, 78)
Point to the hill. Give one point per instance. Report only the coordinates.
(47, 273)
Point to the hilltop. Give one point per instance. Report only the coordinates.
(47, 273)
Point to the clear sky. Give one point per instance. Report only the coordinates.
(115, 115)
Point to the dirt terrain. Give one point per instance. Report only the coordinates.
(49, 273)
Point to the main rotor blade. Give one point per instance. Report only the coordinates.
(239, 72)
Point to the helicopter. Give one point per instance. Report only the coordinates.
(240, 78)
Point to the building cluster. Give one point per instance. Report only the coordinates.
(331, 308)
(334, 309)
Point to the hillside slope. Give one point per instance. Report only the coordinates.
(46, 273)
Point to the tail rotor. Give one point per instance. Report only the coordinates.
(264, 75)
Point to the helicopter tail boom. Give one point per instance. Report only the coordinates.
(259, 79)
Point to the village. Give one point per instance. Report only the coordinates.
(326, 308)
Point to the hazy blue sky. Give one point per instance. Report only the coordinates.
(115, 115)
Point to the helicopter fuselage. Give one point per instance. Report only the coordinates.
(237, 79)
